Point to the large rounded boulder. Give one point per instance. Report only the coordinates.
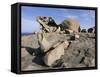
(71, 24)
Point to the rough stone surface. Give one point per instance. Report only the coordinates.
(58, 46)
(44, 44)
(71, 24)
(68, 31)
(79, 53)
(47, 24)
(55, 54)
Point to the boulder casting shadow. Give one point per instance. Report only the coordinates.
(33, 51)
(37, 53)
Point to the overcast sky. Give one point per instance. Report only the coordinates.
(29, 24)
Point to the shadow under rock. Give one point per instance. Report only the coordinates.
(33, 51)
(37, 53)
(38, 60)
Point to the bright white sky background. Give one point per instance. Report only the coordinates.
(29, 14)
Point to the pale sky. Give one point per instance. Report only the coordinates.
(29, 24)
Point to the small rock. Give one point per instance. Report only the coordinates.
(91, 30)
(65, 44)
(83, 30)
(72, 38)
(77, 36)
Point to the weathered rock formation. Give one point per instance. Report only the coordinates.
(44, 44)
(58, 46)
(79, 53)
(71, 24)
(55, 54)
(47, 24)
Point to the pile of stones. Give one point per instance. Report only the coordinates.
(54, 52)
